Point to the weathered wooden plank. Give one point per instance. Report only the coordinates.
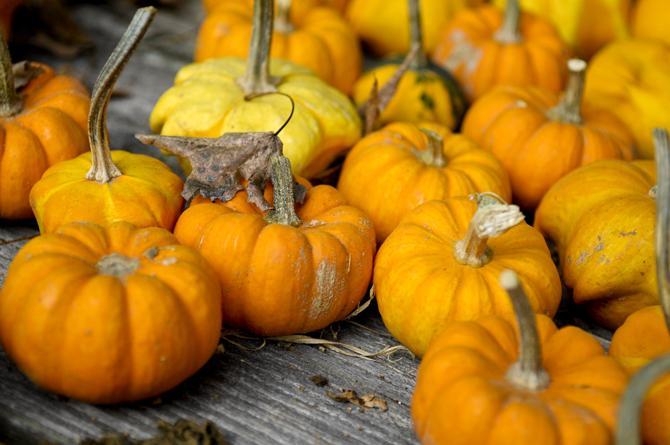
(256, 397)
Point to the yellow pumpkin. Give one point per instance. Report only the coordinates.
(383, 24)
(651, 20)
(645, 335)
(443, 261)
(586, 25)
(601, 219)
(220, 96)
(104, 187)
(631, 78)
(392, 171)
(425, 91)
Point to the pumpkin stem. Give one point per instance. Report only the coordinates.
(103, 169)
(416, 35)
(568, 109)
(10, 101)
(283, 17)
(257, 77)
(527, 372)
(628, 419)
(434, 156)
(509, 31)
(492, 218)
(283, 193)
(117, 265)
(662, 196)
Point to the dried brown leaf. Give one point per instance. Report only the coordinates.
(223, 166)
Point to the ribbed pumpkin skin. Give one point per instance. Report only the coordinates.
(384, 24)
(421, 288)
(605, 238)
(467, 47)
(630, 78)
(651, 20)
(284, 280)
(639, 340)
(427, 94)
(536, 150)
(148, 194)
(105, 339)
(463, 398)
(321, 41)
(385, 176)
(207, 101)
(50, 128)
(576, 21)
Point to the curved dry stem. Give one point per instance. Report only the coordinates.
(416, 34)
(257, 77)
(284, 197)
(434, 156)
(628, 420)
(492, 218)
(10, 101)
(103, 169)
(568, 110)
(663, 219)
(527, 372)
(509, 31)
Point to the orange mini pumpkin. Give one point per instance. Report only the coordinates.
(601, 219)
(292, 272)
(645, 335)
(491, 381)
(394, 170)
(109, 315)
(443, 261)
(104, 186)
(320, 40)
(40, 125)
(485, 47)
(540, 137)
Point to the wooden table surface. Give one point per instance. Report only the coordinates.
(260, 396)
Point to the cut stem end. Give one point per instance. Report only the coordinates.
(492, 218)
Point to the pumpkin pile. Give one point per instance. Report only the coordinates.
(309, 180)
